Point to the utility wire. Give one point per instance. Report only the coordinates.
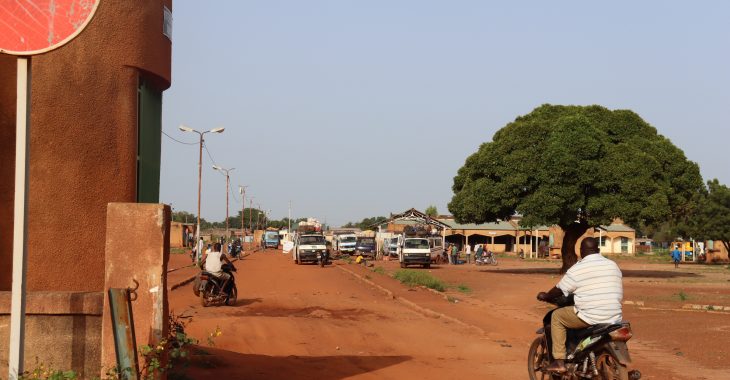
(209, 155)
(176, 140)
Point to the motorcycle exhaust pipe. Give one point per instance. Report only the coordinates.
(634, 374)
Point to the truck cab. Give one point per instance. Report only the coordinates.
(347, 243)
(414, 251)
(307, 247)
(366, 246)
(271, 239)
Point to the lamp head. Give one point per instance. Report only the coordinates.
(217, 130)
(185, 128)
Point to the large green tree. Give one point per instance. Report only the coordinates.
(711, 219)
(432, 211)
(576, 167)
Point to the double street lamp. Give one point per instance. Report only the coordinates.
(200, 171)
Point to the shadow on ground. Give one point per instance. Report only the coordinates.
(216, 364)
(626, 272)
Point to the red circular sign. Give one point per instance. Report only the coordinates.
(30, 27)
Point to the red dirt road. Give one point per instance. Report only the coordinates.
(306, 322)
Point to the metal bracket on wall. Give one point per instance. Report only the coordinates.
(125, 346)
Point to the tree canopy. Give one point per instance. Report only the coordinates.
(366, 223)
(432, 211)
(711, 219)
(576, 166)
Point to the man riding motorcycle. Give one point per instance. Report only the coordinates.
(596, 284)
(212, 263)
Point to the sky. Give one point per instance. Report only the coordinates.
(353, 109)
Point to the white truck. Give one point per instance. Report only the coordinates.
(347, 243)
(307, 247)
(414, 251)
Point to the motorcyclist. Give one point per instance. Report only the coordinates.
(213, 264)
(596, 284)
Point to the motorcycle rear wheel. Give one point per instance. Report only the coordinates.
(537, 359)
(610, 369)
(231, 300)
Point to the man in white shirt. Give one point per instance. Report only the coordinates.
(596, 283)
(213, 264)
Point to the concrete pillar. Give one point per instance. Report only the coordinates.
(137, 247)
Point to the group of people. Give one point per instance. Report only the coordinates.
(451, 253)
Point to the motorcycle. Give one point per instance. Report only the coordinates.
(486, 259)
(322, 258)
(596, 352)
(209, 288)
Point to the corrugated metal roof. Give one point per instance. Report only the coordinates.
(618, 228)
(498, 226)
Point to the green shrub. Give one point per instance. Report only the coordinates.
(463, 288)
(417, 278)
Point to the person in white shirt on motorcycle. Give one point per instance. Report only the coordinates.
(213, 264)
(596, 283)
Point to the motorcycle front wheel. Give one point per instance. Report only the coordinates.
(537, 359)
(610, 369)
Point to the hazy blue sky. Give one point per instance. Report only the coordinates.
(353, 109)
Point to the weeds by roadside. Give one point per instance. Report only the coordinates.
(682, 296)
(463, 288)
(415, 278)
(379, 270)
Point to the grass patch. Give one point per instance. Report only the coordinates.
(417, 278)
(379, 270)
(463, 288)
(682, 296)
(178, 251)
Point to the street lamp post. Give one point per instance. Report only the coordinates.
(242, 191)
(228, 181)
(258, 215)
(200, 171)
(250, 218)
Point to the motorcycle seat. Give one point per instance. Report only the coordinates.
(597, 329)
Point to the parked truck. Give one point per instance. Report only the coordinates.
(347, 243)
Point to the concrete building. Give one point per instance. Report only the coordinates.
(96, 107)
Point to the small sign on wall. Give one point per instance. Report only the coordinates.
(167, 22)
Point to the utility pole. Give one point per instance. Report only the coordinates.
(226, 172)
(200, 169)
(242, 191)
(288, 231)
(250, 217)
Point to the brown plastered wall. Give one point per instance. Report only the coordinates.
(7, 168)
(83, 141)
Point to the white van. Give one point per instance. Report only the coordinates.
(415, 251)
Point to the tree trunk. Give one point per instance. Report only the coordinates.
(726, 243)
(573, 232)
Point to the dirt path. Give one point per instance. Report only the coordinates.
(306, 322)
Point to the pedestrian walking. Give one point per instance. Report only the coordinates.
(468, 254)
(479, 251)
(676, 256)
(454, 254)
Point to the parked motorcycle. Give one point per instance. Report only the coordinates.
(323, 258)
(208, 288)
(596, 352)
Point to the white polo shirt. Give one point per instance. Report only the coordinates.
(596, 283)
(213, 263)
